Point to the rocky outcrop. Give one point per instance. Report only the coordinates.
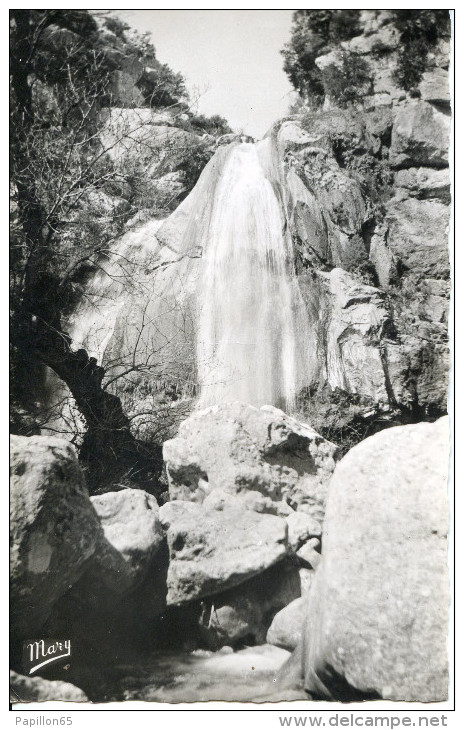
(368, 193)
(376, 613)
(243, 450)
(418, 236)
(54, 528)
(37, 689)
(247, 490)
(91, 570)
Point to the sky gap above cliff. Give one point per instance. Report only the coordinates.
(232, 56)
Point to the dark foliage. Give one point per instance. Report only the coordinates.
(215, 125)
(64, 218)
(348, 81)
(312, 32)
(420, 31)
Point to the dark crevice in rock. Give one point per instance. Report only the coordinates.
(408, 164)
(330, 684)
(387, 380)
(443, 106)
(367, 231)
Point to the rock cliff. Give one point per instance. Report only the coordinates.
(371, 229)
(364, 195)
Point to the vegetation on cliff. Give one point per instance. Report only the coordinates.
(318, 32)
(373, 96)
(71, 198)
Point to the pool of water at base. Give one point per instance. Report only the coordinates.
(248, 675)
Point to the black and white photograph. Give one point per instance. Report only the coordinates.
(230, 264)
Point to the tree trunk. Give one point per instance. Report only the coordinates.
(109, 452)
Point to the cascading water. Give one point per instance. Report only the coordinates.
(252, 327)
(212, 289)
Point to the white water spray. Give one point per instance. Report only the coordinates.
(215, 282)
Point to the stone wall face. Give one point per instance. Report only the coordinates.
(375, 204)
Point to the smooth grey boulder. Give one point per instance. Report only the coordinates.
(37, 689)
(53, 527)
(377, 612)
(286, 629)
(132, 536)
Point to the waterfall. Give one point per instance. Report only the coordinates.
(252, 327)
(210, 294)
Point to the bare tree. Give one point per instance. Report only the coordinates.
(65, 154)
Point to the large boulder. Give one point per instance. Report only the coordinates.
(239, 448)
(429, 364)
(211, 550)
(377, 610)
(114, 606)
(54, 528)
(286, 629)
(423, 182)
(37, 689)
(132, 536)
